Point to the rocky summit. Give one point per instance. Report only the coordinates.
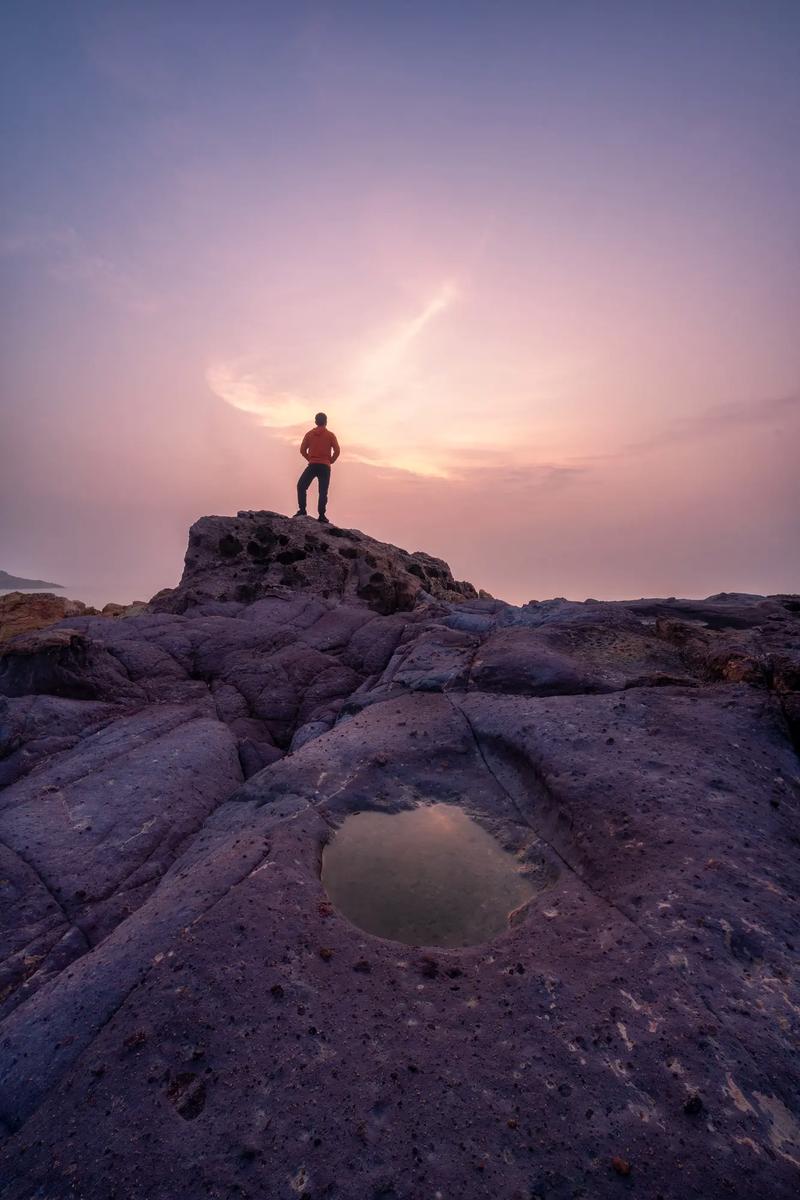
(185, 1012)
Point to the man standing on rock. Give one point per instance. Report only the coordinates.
(320, 449)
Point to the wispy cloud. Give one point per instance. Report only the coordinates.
(714, 422)
(379, 366)
(382, 364)
(482, 478)
(251, 391)
(402, 406)
(720, 419)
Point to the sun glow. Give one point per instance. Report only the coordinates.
(400, 415)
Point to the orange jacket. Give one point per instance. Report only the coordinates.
(320, 445)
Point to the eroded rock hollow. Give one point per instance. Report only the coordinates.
(186, 1013)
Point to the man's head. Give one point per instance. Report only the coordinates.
(321, 419)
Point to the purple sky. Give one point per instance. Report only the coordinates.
(538, 261)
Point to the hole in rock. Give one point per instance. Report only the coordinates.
(430, 876)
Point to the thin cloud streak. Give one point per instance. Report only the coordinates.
(718, 420)
(384, 366)
(377, 371)
(715, 422)
(246, 391)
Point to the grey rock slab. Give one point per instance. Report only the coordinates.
(590, 654)
(432, 659)
(37, 938)
(33, 728)
(100, 824)
(43, 1038)
(512, 661)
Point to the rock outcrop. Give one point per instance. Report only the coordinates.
(260, 554)
(21, 612)
(183, 1011)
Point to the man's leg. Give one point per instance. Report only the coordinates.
(324, 477)
(302, 487)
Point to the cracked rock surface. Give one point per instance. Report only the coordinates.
(184, 1013)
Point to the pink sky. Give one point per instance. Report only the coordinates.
(542, 277)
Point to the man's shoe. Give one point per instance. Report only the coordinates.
(323, 520)
(301, 512)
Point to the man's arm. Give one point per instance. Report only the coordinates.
(304, 447)
(335, 448)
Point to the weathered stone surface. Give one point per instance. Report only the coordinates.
(124, 610)
(21, 612)
(36, 727)
(257, 554)
(99, 826)
(174, 977)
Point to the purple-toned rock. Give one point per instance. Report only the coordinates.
(97, 827)
(174, 977)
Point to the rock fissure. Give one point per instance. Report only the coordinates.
(89, 1032)
(69, 780)
(68, 918)
(526, 820)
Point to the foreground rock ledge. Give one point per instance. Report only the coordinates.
(183, 1012)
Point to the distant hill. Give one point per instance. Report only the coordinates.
(15, 581)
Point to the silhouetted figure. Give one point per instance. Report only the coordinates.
(320, 449)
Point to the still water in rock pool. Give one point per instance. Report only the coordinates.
(430, 876)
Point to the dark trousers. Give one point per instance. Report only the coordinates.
(320, 471)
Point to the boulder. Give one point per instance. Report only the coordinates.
(23, 612)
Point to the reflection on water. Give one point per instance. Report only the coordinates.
(429, 877)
